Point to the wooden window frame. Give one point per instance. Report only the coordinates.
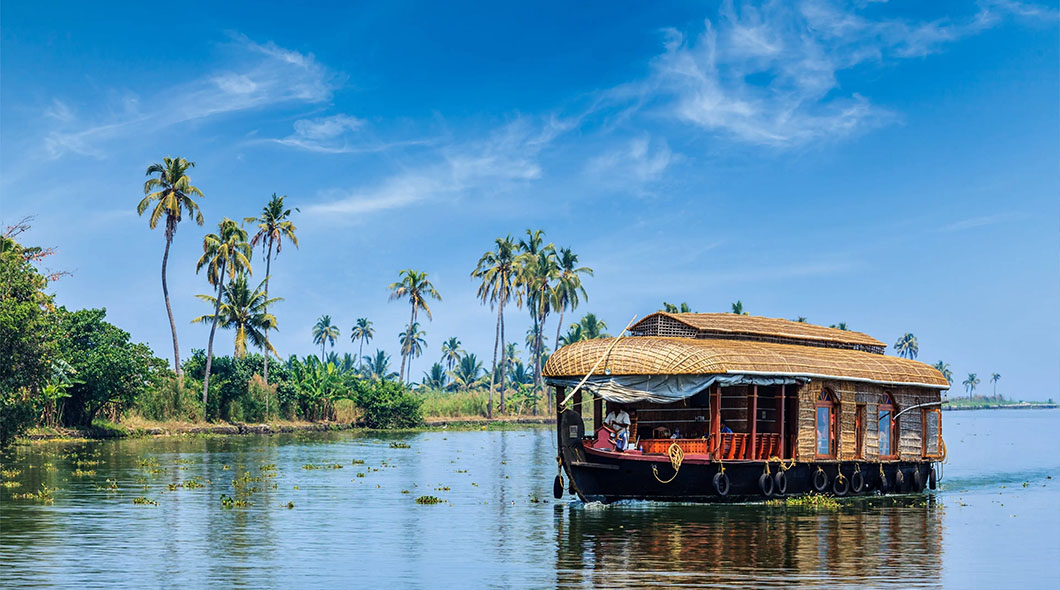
(826, 399)
(923, 433)
(887, 404)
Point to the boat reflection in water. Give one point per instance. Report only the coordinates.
(892, 542)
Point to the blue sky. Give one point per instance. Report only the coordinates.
(892, 165)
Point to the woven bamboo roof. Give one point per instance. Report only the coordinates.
(657, 355)
(759, 328)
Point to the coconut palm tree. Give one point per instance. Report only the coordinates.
(994, 378)
(970, 383)
(574, 334)
(348, 364)
(273, 226)
(840, 326)
(498, 270)
(377, 367)
(417, 288)
(592, 327)
(412, 343)
(224, 254)
(520, 376)
(944, 368)
(324, 333)
(436, 377)
(537, 272)
(671, 308)
(906, 346)
(243, 310)
(568, 287)
(361, 333)
(801, 319)
(589, 328)
(451, 352)
(511, 356)
(466, 374)
(737, 308)
(172, 193)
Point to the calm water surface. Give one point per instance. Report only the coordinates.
(994, 523)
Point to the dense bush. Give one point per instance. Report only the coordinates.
(387, 404)
(170, 401)
(237, 392)
(26, 343)
(111, 371)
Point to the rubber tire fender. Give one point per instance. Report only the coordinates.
(884, 483)
(820, 481)
(918, 479)
(766, 484)
(932, 479)
(899, 480)
(780, 483)
(840, 485)
(557, 488)
(857, 482)
(721, 484)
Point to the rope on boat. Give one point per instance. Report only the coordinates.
(783, 467)
(676, 457)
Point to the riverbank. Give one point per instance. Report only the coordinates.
(146, 428)
(1002, 406)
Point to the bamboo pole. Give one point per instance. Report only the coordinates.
(600, 360)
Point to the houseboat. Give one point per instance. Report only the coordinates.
(726, 407)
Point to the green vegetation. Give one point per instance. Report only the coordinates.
(999, 401)
(429, 500)
(811, 500)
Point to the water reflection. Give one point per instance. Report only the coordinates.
(884, 542)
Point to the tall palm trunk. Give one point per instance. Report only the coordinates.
(209, 345)
(171, 228)
(265, 370)
(408, 336)
(555, 343)
(541, 353)
(493, 373)
(360, 351)
(504, 360)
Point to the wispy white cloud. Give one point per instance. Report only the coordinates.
(508, 155)
(770, 75)
(974, 222)
(636, 162)
(257, 76)
(338, 134)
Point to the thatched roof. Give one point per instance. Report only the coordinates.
(655, 355)
(729, 325)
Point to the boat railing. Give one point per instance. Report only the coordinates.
(733, 446)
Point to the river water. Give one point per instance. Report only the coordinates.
(994, 522)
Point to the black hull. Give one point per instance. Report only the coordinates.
(610, 476)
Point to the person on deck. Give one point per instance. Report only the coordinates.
(725, 429)
(617, 421)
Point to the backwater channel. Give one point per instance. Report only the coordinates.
(338, 509)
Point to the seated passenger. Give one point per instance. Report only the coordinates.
(725, 429)
(617, 421)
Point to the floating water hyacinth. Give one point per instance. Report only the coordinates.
(429, 500)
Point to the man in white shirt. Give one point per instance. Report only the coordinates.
(617, 420)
